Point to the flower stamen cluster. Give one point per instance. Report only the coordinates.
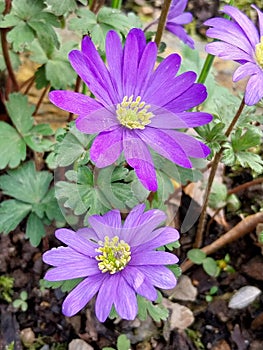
(133, 113)
(259, 52)
(114, 256)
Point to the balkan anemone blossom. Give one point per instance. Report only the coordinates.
(136, 107)
(240, 41)
(117, 261)
(177, 18)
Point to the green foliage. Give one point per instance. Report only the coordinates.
(6, 288)
(123, 343)
(21, 302)
(97, 26)
(155, 310)
(32, 195)
(198, 257)
(14, 140)
(212, 291)
(65, 286)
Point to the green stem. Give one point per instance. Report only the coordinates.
(202, 219)
(162, 21)
(116, 4)
(206, 68)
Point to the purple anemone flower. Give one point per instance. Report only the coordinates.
(240, 41)
(136, 107)
(117, 261)
(177, 18)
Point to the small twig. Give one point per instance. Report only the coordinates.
(202, 219)
(162, 21)
(150, 24)
(29, 82)
(245, 226)
(245, 185)
(41, 99)
(96, 5)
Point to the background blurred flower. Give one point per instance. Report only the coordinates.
(136, 108)
(177, 18)
(116, 260)
(241, 41)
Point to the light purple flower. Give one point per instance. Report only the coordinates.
(136, 107)
(116, 260)
(177, 18)
(241, 41)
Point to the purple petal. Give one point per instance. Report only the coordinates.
(125, 300)
(130, 64)
(260, 20)
(96, 122)
(82, 268)
(159, 276)
(88, 233)
(145, 68)
(81, 295)
(245, 70)
(62, 256)
(134, 217)
(166, 146)
(163, 236)
(227, 51)
(166, 69)
(181, 33)
(153, 258)
(191, 146)
(105, 298)
(89, 73)
(244, 22)
(182, 19)
(74, 102)
(107, 225)
(76, 242)
(176, 8)
(114, 60)
(138, 157)
(195, 95)
(140, 39)
(139, 282)
(107, 147)
(254, 89)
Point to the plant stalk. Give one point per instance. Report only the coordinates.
(202, 219)
(162, 21)
(41, 99)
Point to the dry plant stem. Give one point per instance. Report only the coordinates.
(6, 52)
(41, 99)
(245, 226)
(162, 21)
(28, 83)
(96, 5)
(246, 185)
(202, 219)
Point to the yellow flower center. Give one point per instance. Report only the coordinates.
(114, 256)
(133, 113)
(259, 52)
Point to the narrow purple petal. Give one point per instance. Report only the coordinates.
(227, 51)
(134, 217)
(137, 280)
(260, 20)
(88, 233)
(107, 225)
(105, 297)
(75, 269)
(163, 236)
(176, 8)
(140, 39)
(159, 276)
(114, 60)
(138, 157)
(107, 147)
(81, 295)
(191, 146)
(100, 120)
(74, 102)
(153, 258)
(62, 256)
(76, 242)
(244, 22)
(181, 33)
(125, 300)
(254, 89)
(245, 70)
(166, 146)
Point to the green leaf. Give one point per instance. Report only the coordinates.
(123, 343)
(13, 147)
(60, 74)
(21, 36)
(20, 112)
(14, 57)
(38, 143)
(66, 286)
(197, 256)
(27, 8)
(46, 35)
(250, 160)
(12, 213)
(210, 267)
(218, 196)
(51, 207)
(25, 183)
(62, 7)
(242, 142)
(157, 312)
(35, 229)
